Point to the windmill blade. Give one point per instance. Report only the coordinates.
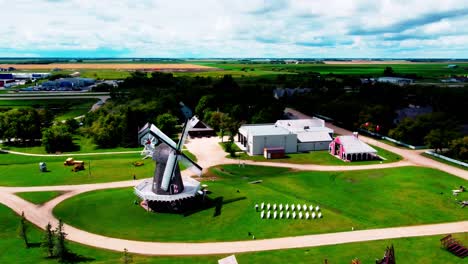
(188, 125)
(169, 170)
(158, 134)
(190, 164)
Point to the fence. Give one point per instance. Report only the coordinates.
(377, 135)
(447, 158)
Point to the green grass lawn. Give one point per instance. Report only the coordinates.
(85, 144)
(323, 158)
(49, 103)
(18, 170)
(444, 161)
(359, 199)
(39, 197)
(420, 250)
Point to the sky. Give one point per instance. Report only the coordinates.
(235, 28)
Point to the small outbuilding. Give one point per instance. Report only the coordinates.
(274, 153)
(350, 148)
(201, 130)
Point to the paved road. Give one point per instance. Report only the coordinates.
(209, 153)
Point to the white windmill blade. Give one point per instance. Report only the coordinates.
(190, 164)
(168, 171)
(189, 125)
(161, 136)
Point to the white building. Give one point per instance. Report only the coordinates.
(255, 138)
(395, 80)
(297, 135)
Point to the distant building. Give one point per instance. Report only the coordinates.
(297, 135)
(65, 84)
(351, 148)
(29, 76)
(201, 129)
(395, 80)
(287, 92)
(452, 66)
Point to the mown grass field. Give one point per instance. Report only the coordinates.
(323, 158)
(360, 199)
(18, 170)
(419, 250)
(39, 197)
(84, 144)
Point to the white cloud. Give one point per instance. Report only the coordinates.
(257, 28)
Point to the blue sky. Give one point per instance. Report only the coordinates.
(228, 28)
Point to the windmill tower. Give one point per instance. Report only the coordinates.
(167, 184)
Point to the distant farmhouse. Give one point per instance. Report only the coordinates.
(291, 136)
(395, 80)
(350, 148)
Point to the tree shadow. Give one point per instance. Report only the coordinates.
(72, 258)
(34, 245)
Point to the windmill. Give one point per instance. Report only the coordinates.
(167, 184)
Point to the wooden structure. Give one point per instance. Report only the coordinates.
(389, 257)
(201, 129)
(454, 246)
(274, 153)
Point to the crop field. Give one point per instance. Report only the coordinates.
(114, 66)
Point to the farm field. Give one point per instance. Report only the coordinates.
(322, 158)
(380, 198)
(426, 70)
(113, 66)
(418, 250)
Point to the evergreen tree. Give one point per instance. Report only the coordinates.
(126, 258)
(48, 241)
(60, 248)
(23, 230)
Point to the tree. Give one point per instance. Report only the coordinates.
(60, 248)
(167, 123)
(48, 240)
(388, 71)
(127, 258)
(23, 230)
(57, 138)
(459, 148)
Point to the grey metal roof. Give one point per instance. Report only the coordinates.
(319, 136)
(263, 130)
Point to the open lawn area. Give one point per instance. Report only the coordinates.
(360, 199)
(323, 158)
(18, 170)
(39, 197)
(84, 145)
(420, 250)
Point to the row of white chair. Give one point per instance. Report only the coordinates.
(286, 207)
(287, 215)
